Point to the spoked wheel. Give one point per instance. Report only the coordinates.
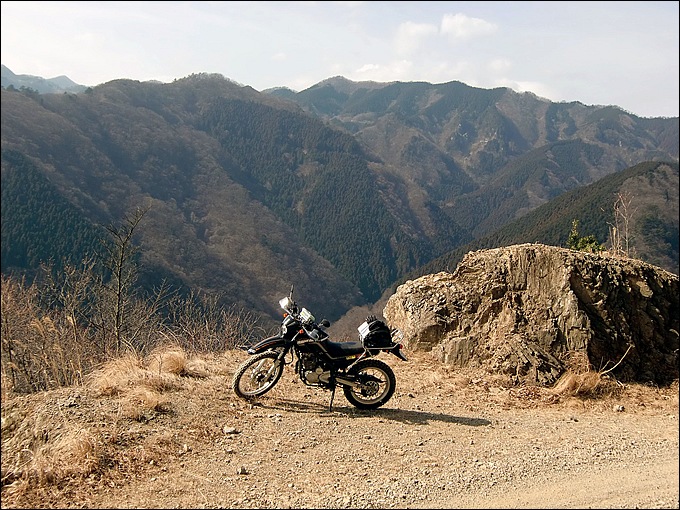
(377, 384)
(257, 375)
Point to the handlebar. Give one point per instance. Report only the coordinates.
(304, 317)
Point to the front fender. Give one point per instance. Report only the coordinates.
(273, 342)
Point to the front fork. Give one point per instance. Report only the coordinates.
(255, 373)
(280, 360)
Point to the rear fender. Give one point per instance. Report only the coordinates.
(396, 350)
(273, 342)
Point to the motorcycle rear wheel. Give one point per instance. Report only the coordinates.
(257, 375)
(377, 384)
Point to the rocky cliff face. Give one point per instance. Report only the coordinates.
(523, 310)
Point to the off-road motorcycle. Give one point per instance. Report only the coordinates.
(367, 382)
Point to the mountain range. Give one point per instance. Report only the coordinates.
(344, 189)
(41, 85)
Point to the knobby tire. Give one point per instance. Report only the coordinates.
(257, 375)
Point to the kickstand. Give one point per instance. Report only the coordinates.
(330, 405)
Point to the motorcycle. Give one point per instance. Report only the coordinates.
(367, 382)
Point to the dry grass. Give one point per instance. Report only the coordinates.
(54, 456)
(140, 401)
(160, 371)
(40, 349)
(73, 453)
(580, 380)
(44, 347)
(173, 359)
(41, 449)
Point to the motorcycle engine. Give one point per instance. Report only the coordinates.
(313, 369)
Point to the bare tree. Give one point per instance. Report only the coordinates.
(200, 324)
(117, 296)
(41, 348)
(71, 291)
(620, 233)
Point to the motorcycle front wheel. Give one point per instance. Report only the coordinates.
(257, 375)
(376, 384)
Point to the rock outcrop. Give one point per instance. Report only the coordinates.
(523, 310)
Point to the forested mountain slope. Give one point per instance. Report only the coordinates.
(641, 201)
(341, 189)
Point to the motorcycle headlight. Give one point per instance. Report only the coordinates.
(306, 316)
(286, 303)
(284, 330)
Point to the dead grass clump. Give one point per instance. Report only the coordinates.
(68, 454)
(171, 360)
(75, 453)
(120, 375)
(140, 382)
(114, 375)
(141, 401)
(577, 384)
(160, 370)
(580, 380)
(196, 368)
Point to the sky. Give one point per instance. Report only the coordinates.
(598, 53)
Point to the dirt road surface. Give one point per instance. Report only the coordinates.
(447, 439)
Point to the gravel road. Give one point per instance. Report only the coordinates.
(447, 439)
(443, 441)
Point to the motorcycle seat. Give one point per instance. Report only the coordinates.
(342, 349)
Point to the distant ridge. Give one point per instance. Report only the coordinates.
(41, 85)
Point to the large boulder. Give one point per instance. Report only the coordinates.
(524, 310)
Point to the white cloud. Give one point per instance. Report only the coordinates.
(398, 70)
(460, 26)
(410, 36)
(537, 88)
(368, 68)
(499, 65)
